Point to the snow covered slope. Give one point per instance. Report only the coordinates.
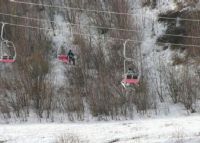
(174, 130)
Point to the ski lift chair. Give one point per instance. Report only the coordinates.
(4, 47)
(63, 58)
(130, 80)
(5, 58)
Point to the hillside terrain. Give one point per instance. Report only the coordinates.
(132, 74)
(162, 45)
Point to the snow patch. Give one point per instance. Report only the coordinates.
(170, 130)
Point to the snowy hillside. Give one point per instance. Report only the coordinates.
(103, 71)
(39, 83)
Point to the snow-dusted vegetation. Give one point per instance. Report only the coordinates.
(162, 45)
(162, 42)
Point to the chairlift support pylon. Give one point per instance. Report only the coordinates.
(5, 44)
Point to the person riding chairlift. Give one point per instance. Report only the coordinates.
(71, 57)
(6, 56)
(132, 74)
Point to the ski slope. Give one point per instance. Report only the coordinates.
(170, 130)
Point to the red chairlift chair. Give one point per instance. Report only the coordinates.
(4, 47)
(129, 78)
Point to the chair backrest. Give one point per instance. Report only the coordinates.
(10, 58)
(5, 57)
(128, 76)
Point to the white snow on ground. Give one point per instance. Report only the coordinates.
(171, 130)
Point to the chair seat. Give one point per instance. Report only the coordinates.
(7, 60)
(130, 81)
(63, 58)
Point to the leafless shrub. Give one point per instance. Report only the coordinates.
(99, 85)
(151, 3)
(14, 95)
(73, 105)
(122, 21)
(68, 139)
(94, 81)
(185, 3)
(4, 109)
(183, 88)
(189, 90)
(178, 27)
(173, 85)
(28, 77)
(102, 87)
(141, 97)
(29, 84)
(178, 136)
(193, 29)
(72, 15)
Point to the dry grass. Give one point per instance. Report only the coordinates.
(178, 135)
(68, 139)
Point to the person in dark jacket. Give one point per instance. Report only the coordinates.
(71, 57)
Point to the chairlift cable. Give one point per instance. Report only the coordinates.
(98, 27)
(98, 11)
(90, 35)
